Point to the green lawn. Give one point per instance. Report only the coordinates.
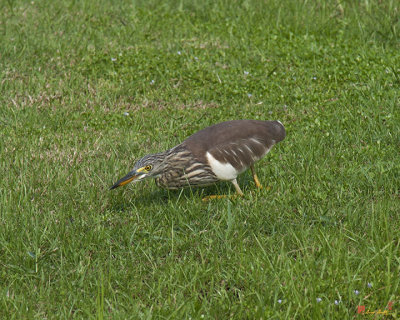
(88, 87)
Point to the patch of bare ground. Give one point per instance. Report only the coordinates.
(203, 44)
(41, 100)
(68, 155)
(161, 105)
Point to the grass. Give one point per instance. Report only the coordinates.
(87, 87)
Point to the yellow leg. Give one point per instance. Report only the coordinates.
(238, 190)
(256, 181)
(215, 196)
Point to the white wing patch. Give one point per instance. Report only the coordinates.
(223, 171)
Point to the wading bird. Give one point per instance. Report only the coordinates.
(218, 152)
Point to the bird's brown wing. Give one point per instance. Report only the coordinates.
(241, 153)
(238, 142)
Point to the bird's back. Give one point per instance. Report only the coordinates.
(238, 142)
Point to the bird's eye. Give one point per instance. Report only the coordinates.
(148, 168)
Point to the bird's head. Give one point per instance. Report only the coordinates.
(149, 166)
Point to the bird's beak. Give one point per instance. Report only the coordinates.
(131, 176)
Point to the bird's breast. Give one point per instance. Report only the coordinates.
(186, 170)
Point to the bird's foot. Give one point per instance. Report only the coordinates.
(257, 182)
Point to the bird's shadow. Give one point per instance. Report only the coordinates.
(149, 196)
